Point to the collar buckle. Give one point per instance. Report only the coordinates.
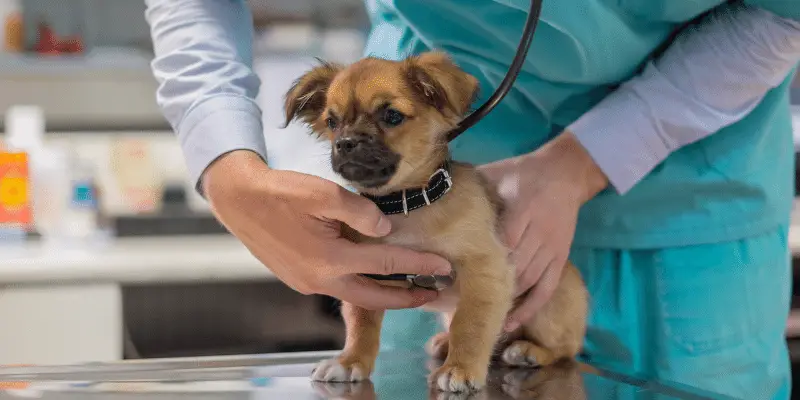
(447, 179)
(405, 202)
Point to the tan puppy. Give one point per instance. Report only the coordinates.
(387, 121)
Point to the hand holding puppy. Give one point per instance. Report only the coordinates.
(291, 222)
(543, 192)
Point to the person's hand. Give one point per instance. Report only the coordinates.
(543, 192)
(291, 223)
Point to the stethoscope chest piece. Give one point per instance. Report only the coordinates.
(431, 282)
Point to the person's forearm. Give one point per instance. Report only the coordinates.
(711, 76)
(207, 87)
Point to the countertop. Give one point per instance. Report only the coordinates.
(398, 376)
(217, 258)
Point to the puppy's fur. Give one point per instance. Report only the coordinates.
(401, 111)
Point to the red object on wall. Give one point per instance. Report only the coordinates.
(49, 43)
(71, 44)
(47, 40)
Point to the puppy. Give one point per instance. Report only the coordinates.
(387, 122)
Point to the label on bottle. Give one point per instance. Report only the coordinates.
(15, 204)
(83, 195)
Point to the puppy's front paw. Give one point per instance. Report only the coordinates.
(457, 379)
(522, 353)
(340, 370)
(344, 390)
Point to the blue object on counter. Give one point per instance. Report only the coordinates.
(83, 195)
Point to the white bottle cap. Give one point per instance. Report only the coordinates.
(25, 127)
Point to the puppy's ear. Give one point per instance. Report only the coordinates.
(305, 100)
(441, 83)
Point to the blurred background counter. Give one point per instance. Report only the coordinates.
(80, 305)
(152, 297)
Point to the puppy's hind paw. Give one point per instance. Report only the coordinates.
(457, 379)
(522, 353)
(338, 370)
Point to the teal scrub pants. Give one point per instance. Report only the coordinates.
(708, 316)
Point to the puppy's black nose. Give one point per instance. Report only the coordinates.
(350, 143)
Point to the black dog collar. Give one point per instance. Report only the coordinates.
(411, 199)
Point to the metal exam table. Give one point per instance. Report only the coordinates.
(398, 376)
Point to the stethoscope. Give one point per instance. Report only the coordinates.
(438, 282)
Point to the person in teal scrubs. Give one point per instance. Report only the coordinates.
(647, 141)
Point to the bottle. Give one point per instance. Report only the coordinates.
(25, 127)
(14, 33)
(15, 210)
(83, 224)
(50, 191)
(11, 17)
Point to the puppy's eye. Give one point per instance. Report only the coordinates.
(331, 123)
(393, 117)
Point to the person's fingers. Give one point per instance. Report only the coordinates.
(521, 256)
(530, 259)
(371, 295)
(526, 249)
(383, 259)
(533, 271)
(356, 211)
(527, 280)
(515, 227)
(537, 297)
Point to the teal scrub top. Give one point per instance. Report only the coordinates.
(736, 183)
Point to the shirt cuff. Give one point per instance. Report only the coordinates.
(618, 135)
(217, 126)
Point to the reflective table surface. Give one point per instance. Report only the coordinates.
(397, 376)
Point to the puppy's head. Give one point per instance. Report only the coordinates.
(387, 120)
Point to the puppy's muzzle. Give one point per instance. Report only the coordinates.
(364, 159)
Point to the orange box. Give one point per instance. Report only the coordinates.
(15, 204)
(14, 385)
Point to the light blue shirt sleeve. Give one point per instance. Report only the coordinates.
(207, 87)
(712, 75)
